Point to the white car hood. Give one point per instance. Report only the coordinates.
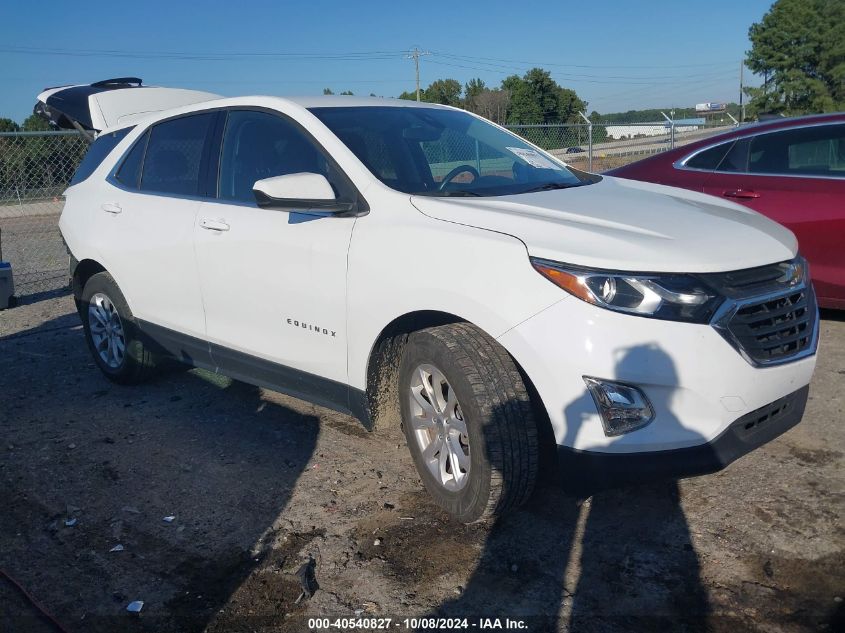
(623, 224)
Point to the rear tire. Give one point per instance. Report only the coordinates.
(468, 421)
(112, 333)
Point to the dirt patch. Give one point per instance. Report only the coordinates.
(815, 457)
(259, 592)
(419, 544)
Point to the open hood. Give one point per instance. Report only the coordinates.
(108, 103)
(626, 225)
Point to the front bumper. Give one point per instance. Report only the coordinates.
(590, 469)
(698, 384)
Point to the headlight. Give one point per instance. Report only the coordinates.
(662, 296)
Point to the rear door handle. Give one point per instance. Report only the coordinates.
(214, 225)
(746, 194)
(111, 207)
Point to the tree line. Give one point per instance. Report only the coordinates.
(533, 98)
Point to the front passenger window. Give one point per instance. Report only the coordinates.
(258, 145)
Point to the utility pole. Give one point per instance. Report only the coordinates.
(741, 104)
(415, 54)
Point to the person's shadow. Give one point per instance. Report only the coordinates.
(598, 553)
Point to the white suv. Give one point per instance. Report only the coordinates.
(397, 260)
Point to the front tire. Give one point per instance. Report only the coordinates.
(468, 421)
(112, 333)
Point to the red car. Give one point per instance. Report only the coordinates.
(791, 170)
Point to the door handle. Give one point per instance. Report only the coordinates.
(746, 194)
(214, 225)
(111, 207)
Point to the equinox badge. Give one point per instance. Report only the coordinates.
(313, 328)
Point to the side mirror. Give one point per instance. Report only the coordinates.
(304, 193)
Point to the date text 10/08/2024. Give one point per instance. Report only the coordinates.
(416, 624)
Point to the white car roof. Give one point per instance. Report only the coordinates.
(337, 101)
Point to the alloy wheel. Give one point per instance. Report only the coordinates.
(439, 427)
(106, 329)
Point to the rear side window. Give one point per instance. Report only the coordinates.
(97, 153)
(174, 155)
(129, 173)
(809, 151)
(709, 159)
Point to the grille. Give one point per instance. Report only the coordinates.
(775, 329)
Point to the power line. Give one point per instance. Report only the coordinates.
(499, 59)
(497, 65)
(642, 81)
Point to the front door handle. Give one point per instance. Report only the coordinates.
(746, 194)
(111, 207)
(214, 225)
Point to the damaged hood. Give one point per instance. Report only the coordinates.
(629, 225)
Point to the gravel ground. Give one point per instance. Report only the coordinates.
(258, 483)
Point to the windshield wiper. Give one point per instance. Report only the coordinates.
(549, 186)
(457, 193)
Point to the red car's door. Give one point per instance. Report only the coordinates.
(797, 178)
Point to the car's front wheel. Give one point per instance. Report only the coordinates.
(468, 421)
(112, 333)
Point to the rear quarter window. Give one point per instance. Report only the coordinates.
(129, 172)
(709, 159)
(97, 153)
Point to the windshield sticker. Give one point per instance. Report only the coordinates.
(534, 158)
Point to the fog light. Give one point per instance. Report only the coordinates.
(623, 408)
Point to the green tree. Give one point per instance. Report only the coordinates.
(472, 89)
(410, 96)
(444, 91)
(7, 125)
(537, 98)
(347, 92)
(327, 91)
(799, 49)
(34, 123)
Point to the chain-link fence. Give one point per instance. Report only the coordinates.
(36, 167)
(598, 147)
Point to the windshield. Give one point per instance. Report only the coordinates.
(434, 152)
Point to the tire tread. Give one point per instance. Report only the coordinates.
(512, 442)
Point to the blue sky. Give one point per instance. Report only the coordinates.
(616, 55)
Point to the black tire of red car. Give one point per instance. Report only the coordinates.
(497, 410)
(138, 362)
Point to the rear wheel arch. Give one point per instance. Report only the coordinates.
(84, 270)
